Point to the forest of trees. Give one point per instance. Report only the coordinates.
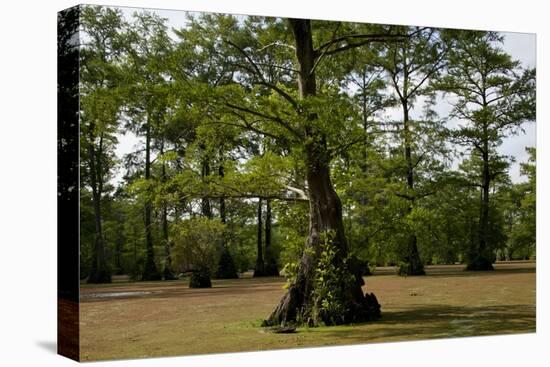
(265, 145)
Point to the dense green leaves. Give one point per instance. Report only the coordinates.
(218, 121)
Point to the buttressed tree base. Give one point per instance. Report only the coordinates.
(234, 183)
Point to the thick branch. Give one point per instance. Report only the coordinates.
(301, 193)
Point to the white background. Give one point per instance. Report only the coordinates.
(28, 182)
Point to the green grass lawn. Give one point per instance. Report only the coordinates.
(167, 318)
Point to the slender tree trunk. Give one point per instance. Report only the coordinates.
(302, 303)
(99, 272)
(412, 264)
(181, 201)
(223, 215)
(363, 200)
(201, 278)
(150, 271)
(259, 269)
(271, 268)
(481, 257)
(205, 202)
(168, 273)
(226, 265)
(364, 164)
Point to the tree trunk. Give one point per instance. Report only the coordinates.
(481, 257)
(150, 271)
(226, 265)
(412, 264)
(168, 273)
(259, 269)
(223, 216)
(271, 268)
(364, 163)
(99, 272)
(205, 202)
(303, 302)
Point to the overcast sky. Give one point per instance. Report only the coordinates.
(521, 46)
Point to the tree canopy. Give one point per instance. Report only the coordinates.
(265, 144)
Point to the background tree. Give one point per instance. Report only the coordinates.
(494, 97)
(100, 111)
(207, 65)
(195, 249)
(409, 66)
(148, 47)
(523, 222)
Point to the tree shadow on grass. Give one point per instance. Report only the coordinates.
(441, 322)
(465, 273)
(443, 271)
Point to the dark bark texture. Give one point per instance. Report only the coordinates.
(411, 263)
(481, 255)
(150, 271)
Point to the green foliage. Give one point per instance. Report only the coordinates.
(289, 271)
(196, 244)
(217, 101)
(332, 280)
(291, 231)
(521, 212)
